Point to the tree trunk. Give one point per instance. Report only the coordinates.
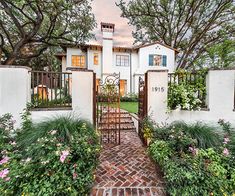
(9, 61)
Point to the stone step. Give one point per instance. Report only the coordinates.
(116, 116)
(113, 111)
(116, 121)
(106, 127)
(124, 191)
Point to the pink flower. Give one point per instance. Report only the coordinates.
(4, 160)
(225, 152)
(75, 175)
(226, 140)
(3, 173)
(193, 150)
(63, 156)
(7, 179)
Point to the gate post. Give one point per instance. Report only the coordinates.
(14, 90)
(83, 93)
(157, 85)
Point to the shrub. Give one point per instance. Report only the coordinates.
(229, 135)
(7, 132)
(199, 134)
(205, 173)
(131, 97)
(187, 94)
(56, 157)
(195, 159)
(148, 128)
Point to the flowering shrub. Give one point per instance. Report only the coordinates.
(54, 163)
(187, 93)
(193, 161)
(148, 127)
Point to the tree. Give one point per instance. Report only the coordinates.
(47, 60)
(191, 26)
(29, 27)
(220, 55)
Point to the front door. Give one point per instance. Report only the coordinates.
(123, 84)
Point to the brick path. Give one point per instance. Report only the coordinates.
(126, 170)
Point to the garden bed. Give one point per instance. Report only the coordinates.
(55, 157)
(195, 159)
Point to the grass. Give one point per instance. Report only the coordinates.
(131, 107)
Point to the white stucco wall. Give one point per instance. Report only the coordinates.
(135, 66)
(96, 68)
(82, 94)
(157, 94)
(144, 53)
(14, 90)
(220, 99)
(40, 116)
(107, 52)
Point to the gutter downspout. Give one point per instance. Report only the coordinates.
(130, 72)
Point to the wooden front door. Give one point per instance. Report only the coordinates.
(123, 84)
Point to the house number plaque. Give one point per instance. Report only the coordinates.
(158, 89)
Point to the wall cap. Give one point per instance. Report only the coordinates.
(16, 66)
(78, 69)
(221, 69)
(158, 70)
(51, 109)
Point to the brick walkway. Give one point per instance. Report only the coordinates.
(126, 170)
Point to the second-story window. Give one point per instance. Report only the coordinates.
(96, 59)
(122, 60)
(78, 61)
(157, 60)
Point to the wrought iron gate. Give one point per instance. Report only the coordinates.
(142, 106)
(108, 109)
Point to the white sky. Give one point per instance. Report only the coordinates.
(107, 11)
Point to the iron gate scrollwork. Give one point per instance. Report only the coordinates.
(108, 109)
(142, 106)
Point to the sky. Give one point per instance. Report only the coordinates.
(107, 11)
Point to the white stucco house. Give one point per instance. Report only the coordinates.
(131, 62)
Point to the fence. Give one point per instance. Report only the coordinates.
(191, 84)
(51, 89)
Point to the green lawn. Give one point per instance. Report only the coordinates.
(131, 107)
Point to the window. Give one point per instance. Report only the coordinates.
(78, 61)
(157, 60)
(96, 59)
(122, 60)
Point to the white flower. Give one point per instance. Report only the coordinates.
(53, 132)
(12, 143)
(28, 159)
(44, 162)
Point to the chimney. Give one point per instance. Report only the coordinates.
(107, 31)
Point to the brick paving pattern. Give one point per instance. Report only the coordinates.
(126, 170)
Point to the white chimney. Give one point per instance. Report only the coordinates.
(107, 31)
